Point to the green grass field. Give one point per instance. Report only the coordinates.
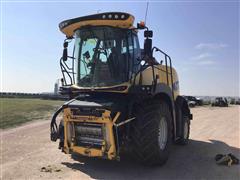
(16, 111)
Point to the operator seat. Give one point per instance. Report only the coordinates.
(113, 62)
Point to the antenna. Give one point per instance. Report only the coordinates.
(146, 14)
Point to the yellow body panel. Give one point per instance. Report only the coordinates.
(160, 70)
(91, 152)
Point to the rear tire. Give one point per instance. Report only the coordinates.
(184, 138)
(152, 133)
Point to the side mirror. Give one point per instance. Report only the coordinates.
(65, 51)
(148, 34)
(148, 47)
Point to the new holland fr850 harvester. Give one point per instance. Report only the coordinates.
(121, 97)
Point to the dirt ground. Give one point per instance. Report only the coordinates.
(27, 149)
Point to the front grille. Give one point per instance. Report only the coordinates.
(86, 112)
(88, 134)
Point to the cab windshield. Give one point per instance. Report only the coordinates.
(105, 56)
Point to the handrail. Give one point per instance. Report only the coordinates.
(167, 57)
(69, 71)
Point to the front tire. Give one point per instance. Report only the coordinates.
(152, 133)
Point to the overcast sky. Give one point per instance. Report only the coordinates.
(201, 37)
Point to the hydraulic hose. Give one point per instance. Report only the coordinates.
(53, 126)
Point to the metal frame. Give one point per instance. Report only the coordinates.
(105, 120)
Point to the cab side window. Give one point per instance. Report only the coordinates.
(136, 53)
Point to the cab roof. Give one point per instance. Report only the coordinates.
(114, 19)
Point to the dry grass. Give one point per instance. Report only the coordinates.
(15, 111)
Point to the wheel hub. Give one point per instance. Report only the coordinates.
(185, 130)
(162, 133)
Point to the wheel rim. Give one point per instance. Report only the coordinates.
(162, 133)
(185, 130)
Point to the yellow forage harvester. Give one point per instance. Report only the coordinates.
(120, 96)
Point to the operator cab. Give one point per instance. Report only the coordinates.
(105, 56)
(106, 50)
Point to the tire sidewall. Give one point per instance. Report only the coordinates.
(184, 139)
(165, 152)
(150, 153)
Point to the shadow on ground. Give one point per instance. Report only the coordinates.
(194, 161)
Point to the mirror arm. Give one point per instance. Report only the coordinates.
(136, 28)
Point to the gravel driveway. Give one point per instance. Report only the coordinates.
(27, 149)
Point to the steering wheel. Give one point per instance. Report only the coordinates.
(100, 50)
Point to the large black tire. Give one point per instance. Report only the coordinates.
(185, 131)
(146, 146)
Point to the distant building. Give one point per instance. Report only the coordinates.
(56, 86)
